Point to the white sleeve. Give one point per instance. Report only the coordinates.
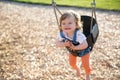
(80, 37)
(60, 38)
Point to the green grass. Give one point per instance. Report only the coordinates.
(101, 4)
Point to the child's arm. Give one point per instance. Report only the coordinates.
(81, 46)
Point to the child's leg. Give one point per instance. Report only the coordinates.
(85, 63)
(73, 63)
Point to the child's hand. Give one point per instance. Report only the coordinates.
(67, 43)
(72, 46)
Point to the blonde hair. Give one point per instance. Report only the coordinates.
(71, 13)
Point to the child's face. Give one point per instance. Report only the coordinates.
(68, 25)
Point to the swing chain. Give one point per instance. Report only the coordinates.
(93, 4)
(53, 3)
(56, 9)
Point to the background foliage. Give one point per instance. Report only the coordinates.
(101, 4)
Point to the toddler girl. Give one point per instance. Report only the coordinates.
(74, 40)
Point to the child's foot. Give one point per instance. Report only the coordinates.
(78, 72)
(88, 77)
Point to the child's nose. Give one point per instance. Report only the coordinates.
(67, 25)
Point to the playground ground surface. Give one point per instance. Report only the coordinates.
(27, 50)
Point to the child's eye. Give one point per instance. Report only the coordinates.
(63, 23)
(70, 22)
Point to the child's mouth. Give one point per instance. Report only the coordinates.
(67, 28)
